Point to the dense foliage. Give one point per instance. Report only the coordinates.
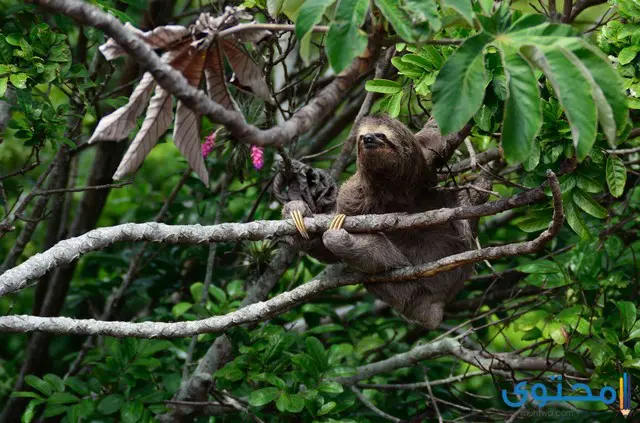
(552, 89)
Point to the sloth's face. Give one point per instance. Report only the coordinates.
(387, 149)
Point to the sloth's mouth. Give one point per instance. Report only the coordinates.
(371, 142)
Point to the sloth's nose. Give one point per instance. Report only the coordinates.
(368, 138)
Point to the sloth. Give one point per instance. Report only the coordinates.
(393, 175)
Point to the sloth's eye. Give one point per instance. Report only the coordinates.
(383, 137)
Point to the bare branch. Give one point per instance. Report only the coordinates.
(371, 406)
(267, 26)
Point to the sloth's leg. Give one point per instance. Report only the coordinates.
(370, 253)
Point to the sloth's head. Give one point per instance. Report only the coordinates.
(387, 149)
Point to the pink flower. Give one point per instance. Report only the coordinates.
(257, 156)
(209, 144)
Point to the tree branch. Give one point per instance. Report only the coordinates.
(281, 303)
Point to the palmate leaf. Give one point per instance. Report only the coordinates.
(192, 56)
(589, 89)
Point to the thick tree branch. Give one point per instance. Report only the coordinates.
(175, 83)
(279, 304)
(71, 249)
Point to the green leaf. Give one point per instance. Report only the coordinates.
(59, 53)
(383, 86)
(419, 61)
(218, 293)
(197, 291)
(290, 402)
(25, 394)
(522, 109)
(589, 205)
(459, 88)
(569, 85)
(558, 333)
(3, 85)
(330, 387)
(394, 105)
(616, 175)
(627, 54)
(180, 309)
(132, 412)
(575, 221)
(540, 266)
(532, 334)
(39, 384)
(110, 404)
(310, 14)
(326, 408)
(409, 70)
(588, 184)
(463, 7)
(263, 396)
(397, 17)
(30, 411)
(62, 398)
(424, 11)
(628, 314)
(576, 361)
(606, 90)
(19, 80)
(317, 351)
(55, 381)
(345, 40)
(609, 80)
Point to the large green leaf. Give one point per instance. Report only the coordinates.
(575, 220)
(589, 205)
(616, 175)
(459, 88)
(569, 85)
(610, 83)
(310, 14)
(345, 40)
(522, 109)
(263, 396)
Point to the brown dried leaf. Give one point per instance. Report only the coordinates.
(186, 136)
(247, 71)
(160, 37)
(156, 122)
(118, 124)
(216, 81)
(186, 128)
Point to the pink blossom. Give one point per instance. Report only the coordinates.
(209, 144)
(257, 156)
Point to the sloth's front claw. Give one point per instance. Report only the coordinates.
(337, 221)
(296, 215)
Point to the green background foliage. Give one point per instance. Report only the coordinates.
(551, 93)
